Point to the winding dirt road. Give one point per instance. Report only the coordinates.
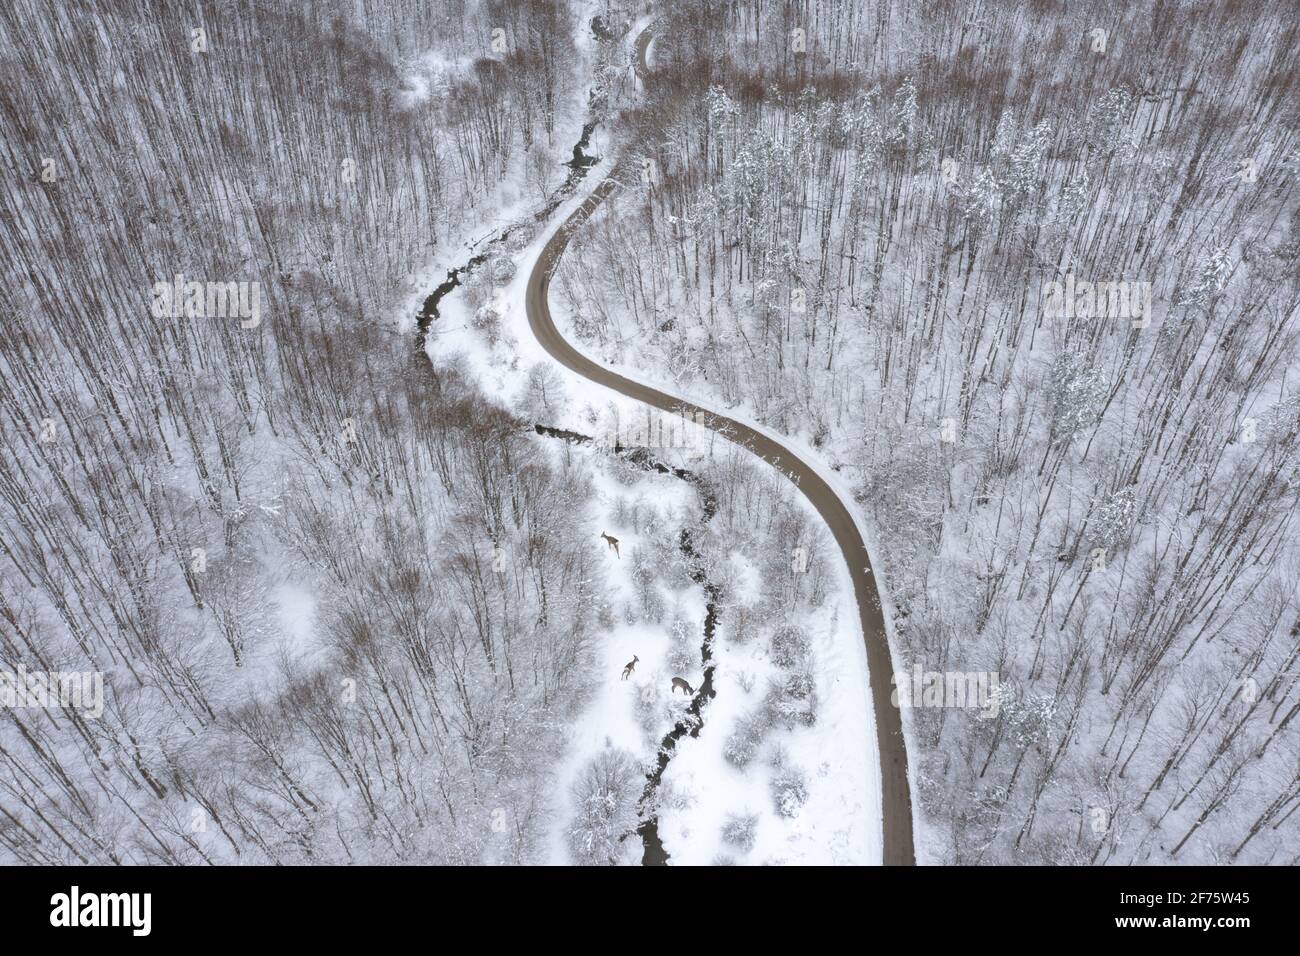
(896, 804)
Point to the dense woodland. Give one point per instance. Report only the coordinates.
(164, 479)
(842, 217)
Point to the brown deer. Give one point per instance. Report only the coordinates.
(631, 665)
(612, 542)
(687, 689)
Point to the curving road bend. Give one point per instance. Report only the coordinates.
(896, 804)
(640, 64)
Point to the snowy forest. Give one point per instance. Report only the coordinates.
(180, 495)
(286, 463)
(855, 241)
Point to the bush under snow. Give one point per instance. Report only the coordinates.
(606, 794)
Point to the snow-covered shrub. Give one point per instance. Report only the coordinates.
(740, 830)
(1025, 163)
(487, 320)
(677, 573)
(789, 790)
(648, 708)
(606, 794)
(800, 686)
(683, 652)
(623, 471)
(520, 236)
(645, 580)
(1078, 396)
(1113, 520)
(1021, 716)
(742, 745)
(1104, 128)
(1073, 199)
(793, 700)
(1029, 716)
(476, 286)
(741, 623)
(652, 604)
(502, 269)
(604, 616)
(980, 199)
(662, 548)
(1211, 278)
(1280, 422)
(902, 115)
(790, 645)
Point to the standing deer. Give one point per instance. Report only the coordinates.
(687, 689)
(612, 542)
(627, 671)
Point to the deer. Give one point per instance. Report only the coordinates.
(631, 665)
(612, 542)
(687, 689)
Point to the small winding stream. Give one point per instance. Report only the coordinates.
(578, 166)
(653, 852)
